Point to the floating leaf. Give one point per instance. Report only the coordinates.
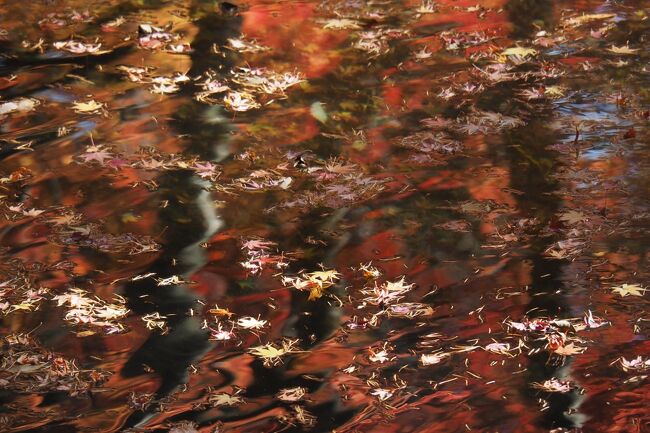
(519, 52)
(587, 18)
(554, 385)
(88, 107)
(223, 399)
(240, 101)
(433, 358)
(629, 290)
(291, 394)
(342, 24)
(272, 354)
(569, 349)
(624, 49)
(314, 282)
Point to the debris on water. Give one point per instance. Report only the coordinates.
(27, 367)
(324, 216)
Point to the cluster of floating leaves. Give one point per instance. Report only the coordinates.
(260, 255)
(241, 88)
(313, 282)
(559, 336)
(26, 367)
(79, 47)
(84, 310)
(160, 84)
(91, 236)
(152, 38)
(19, 298)
(224, 329)
(18, 292)
(70, 17)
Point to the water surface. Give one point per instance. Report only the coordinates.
(470, 177)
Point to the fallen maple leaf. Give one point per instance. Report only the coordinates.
(240, 101)
(248, 322)
(573, 217)
(629, 290)
(516, 54)
(291, 394)
(433, 358)
(623, 49)
(554, 385)
(341, 24)
(224, 399)
(519, 52)
(583, 19)
(100, 155)
(569, 349)
(316, 282)
(271, 354)
(87, 107)
(77, 47)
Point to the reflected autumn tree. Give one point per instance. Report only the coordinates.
(532, 167)
(444, 220)
(188, 218)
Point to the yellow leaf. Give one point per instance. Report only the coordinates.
(220, 311)
(272, 354)
(341, 24)
(315, 293)
(569, 349)
(516, 55)
(519, 52)
(85, 333)
(323, 277)
(623, 49)
(90, 106)
(23, 306)
(554, 91)
(223, 399)
(267, 351)
(130, 218)
(583, 19)
(629, 290)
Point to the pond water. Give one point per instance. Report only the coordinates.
(337, 216)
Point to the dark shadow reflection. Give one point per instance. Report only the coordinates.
(532, 167)
(188, 219)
